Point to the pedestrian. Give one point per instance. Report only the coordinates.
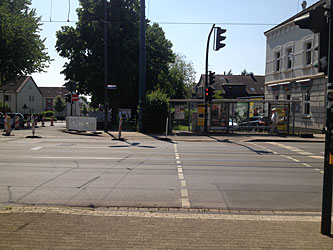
(274, 121)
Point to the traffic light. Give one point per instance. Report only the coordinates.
(206, 94)
(68, 97)
(209, 93)
(316, 21)
(211, 78)
(219, 38)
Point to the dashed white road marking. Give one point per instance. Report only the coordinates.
(183, 191)
(307, 165)
(294, 150)
(36, 148)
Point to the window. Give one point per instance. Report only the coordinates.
(308, 53)
(276, 97)
(277, 61)
(288, 97)
(306, 102)
(289, 53)
(7, 98)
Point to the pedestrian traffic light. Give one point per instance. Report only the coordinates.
(206, 94)
(68, 97)
(209, 93)
(219, 38)
(316, 21)
(211, 78)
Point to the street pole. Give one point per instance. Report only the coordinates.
(105, 67)
(206, 80)
(142, 80)
(328, 164)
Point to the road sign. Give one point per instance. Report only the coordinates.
(75, 97)
(111, 86)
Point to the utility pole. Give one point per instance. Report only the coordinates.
(105, 66)
(326, 218)
(142, 73)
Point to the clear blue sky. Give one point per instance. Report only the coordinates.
(245, 44)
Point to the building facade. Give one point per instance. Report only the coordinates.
(21, 96)
(291, 72)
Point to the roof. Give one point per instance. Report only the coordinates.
(254, 84)
(52, 92)
(18, 84)
(15, 85)
(313, 6)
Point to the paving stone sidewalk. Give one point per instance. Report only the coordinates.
(77, 228)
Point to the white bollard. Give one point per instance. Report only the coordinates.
(17, 122)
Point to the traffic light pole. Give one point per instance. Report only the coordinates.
(206, 80)
(105, 67)
(328, 164)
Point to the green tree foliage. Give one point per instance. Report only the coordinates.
(21, 49)
(179, 80)
(59, 104)
(83, 46)
(155, 111)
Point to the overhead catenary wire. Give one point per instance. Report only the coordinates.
(174, 23)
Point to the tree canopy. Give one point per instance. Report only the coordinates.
(22, 51)
(83, 46)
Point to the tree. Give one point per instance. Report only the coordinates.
(59, 104)
(179, 80)
(83, 47)
(22, 50)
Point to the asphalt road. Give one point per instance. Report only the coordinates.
(78, 170)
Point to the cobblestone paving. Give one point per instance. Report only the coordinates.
(141, 228)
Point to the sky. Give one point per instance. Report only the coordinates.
(186, 24)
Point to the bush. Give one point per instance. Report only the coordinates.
(48, 114)
(155, 112)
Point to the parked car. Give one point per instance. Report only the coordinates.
(232, 124)
(12, 117)
(255, 121)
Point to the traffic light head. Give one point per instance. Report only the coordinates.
(219, 38)
(209, 93)
(68, 97)
(211, 78)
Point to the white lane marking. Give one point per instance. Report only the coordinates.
(36, 148)
(317, 157)
(184, 193)
(297, 150)
(307, 165)
(185, 203)
(296, 160)
(77, 157)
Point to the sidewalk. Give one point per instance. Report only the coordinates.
(114, 228)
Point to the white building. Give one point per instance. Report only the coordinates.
(291, 75)
(21, 96)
